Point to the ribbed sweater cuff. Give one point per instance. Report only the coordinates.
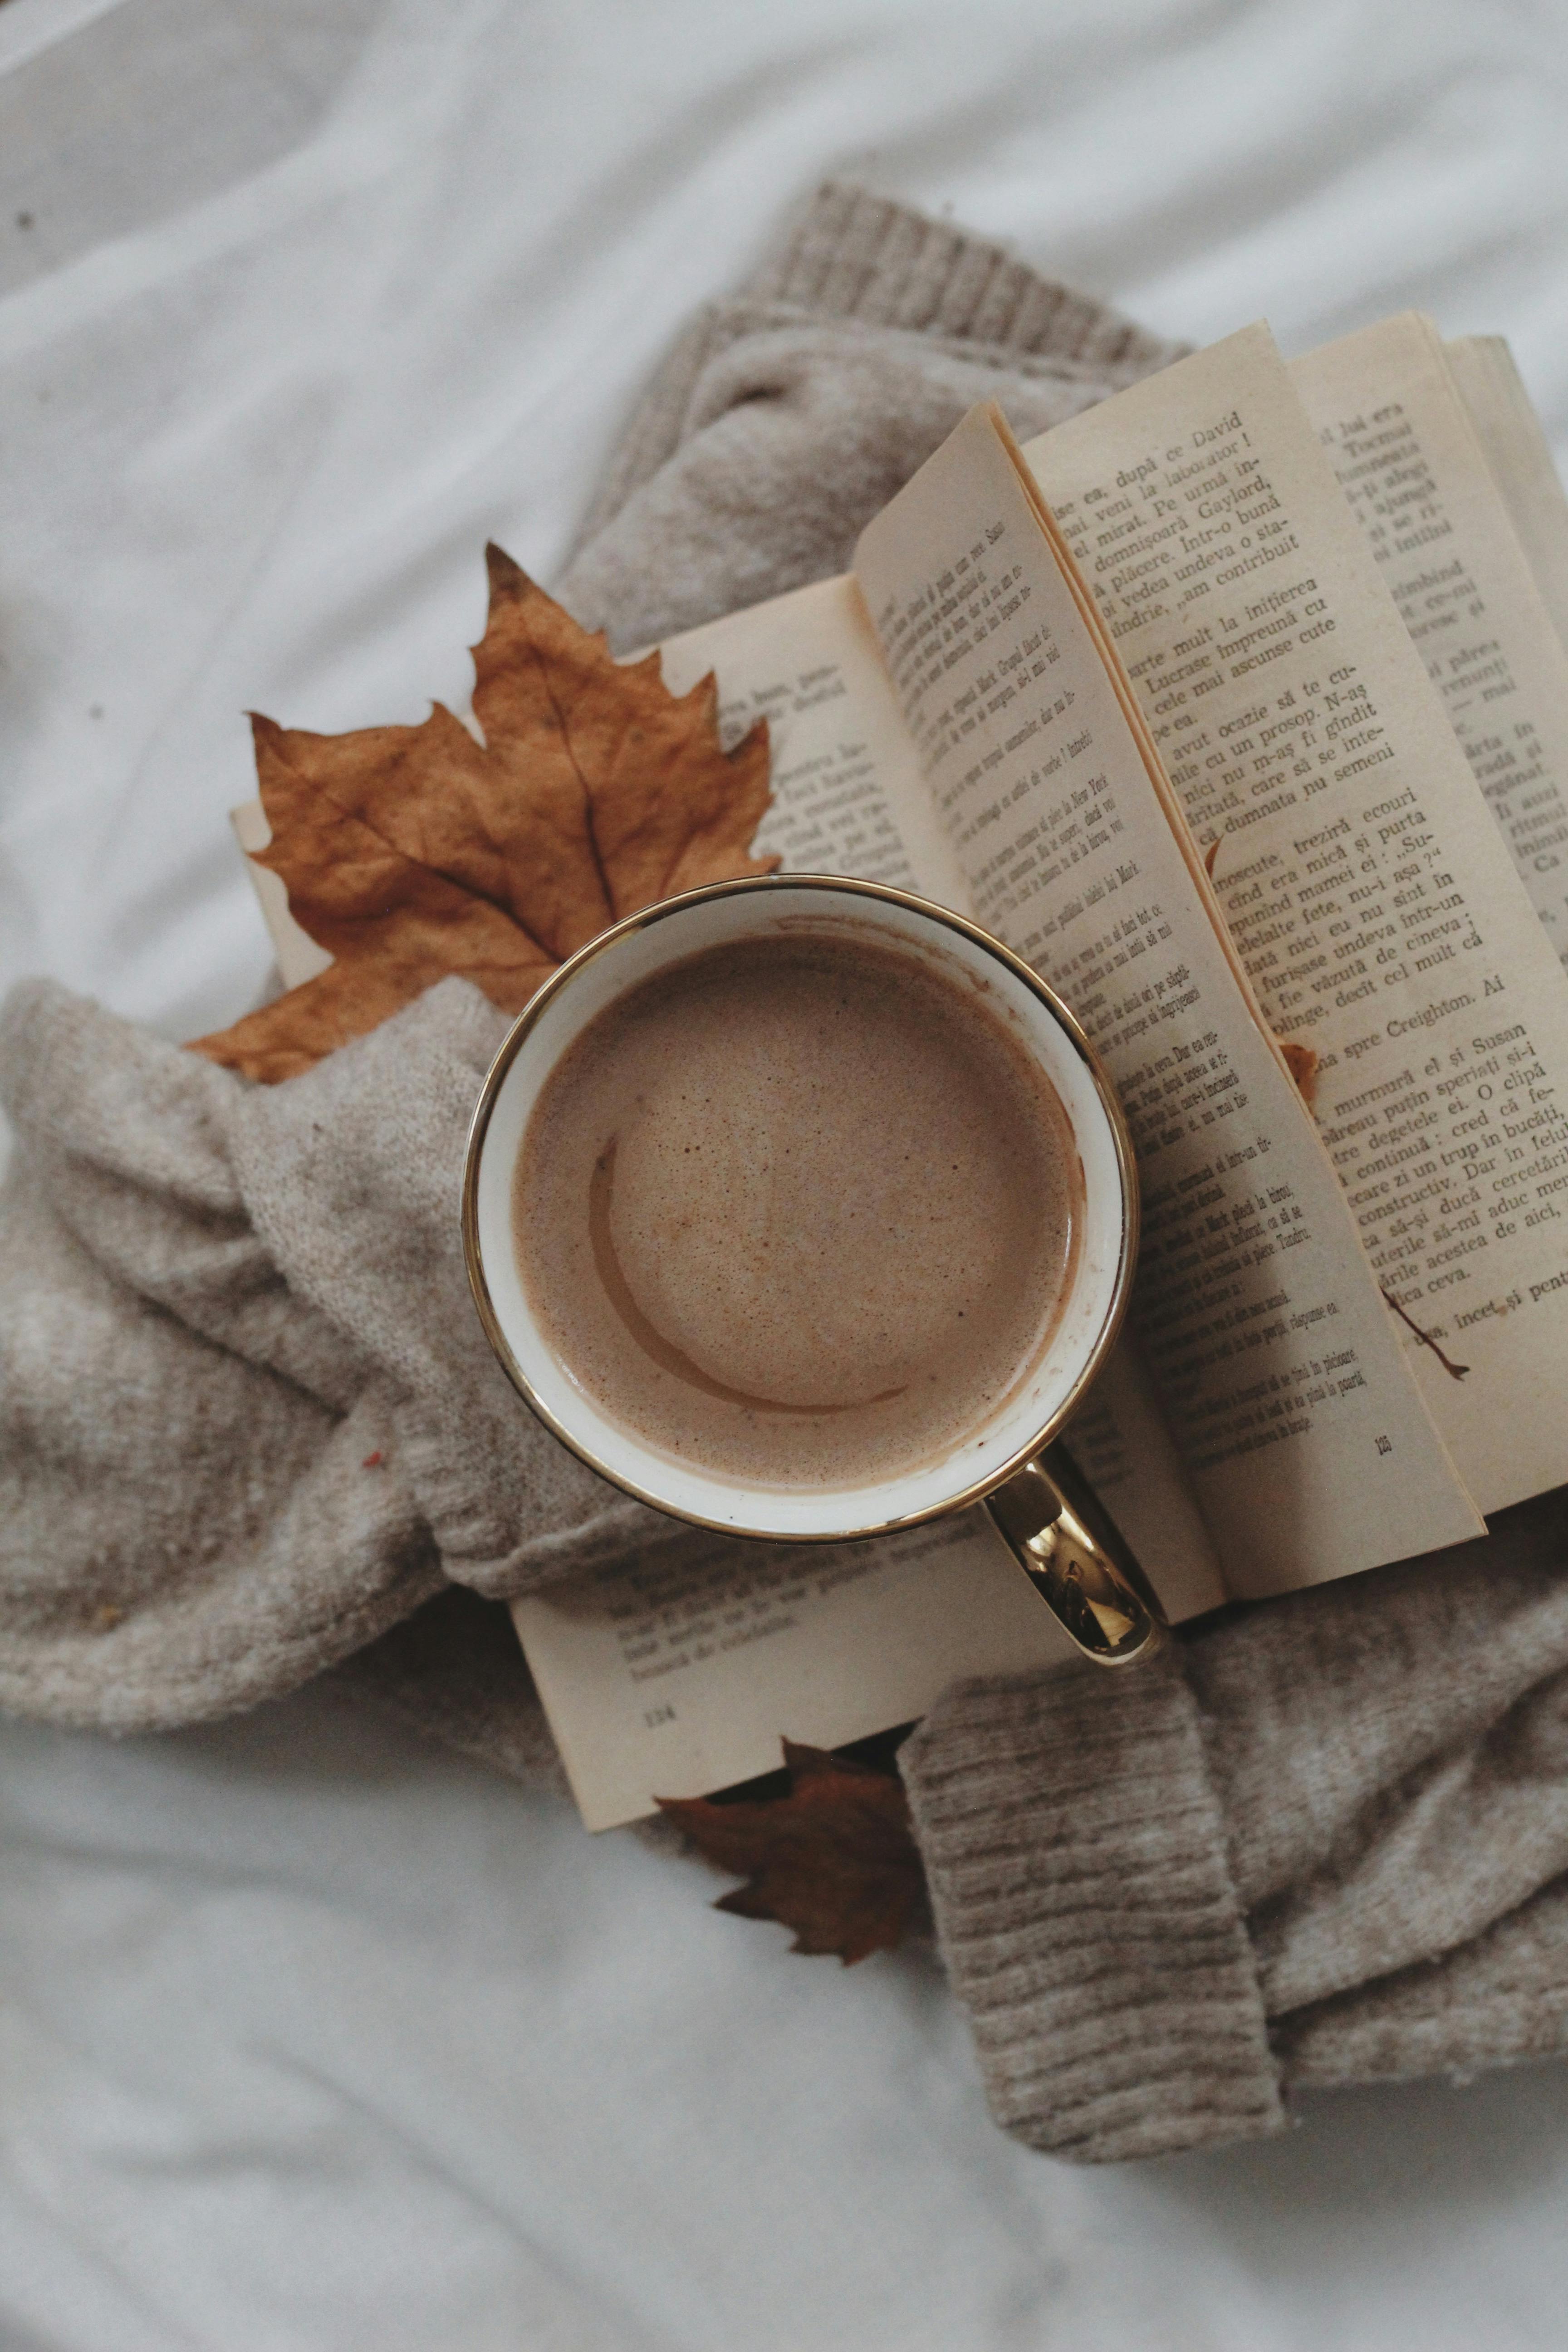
(1084, 1904)
(853, 254)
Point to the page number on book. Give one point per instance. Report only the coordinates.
(654, 1715)
(1385, 1445)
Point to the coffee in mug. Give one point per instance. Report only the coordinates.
(800, 1209)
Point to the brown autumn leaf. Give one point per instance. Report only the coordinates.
(1302, 1061)
(412, 852)
(834, 1859)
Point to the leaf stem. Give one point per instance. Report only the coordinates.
(1455, 1372)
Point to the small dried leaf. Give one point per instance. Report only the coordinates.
(1302, 1061)
(1211, 856)
(409, 853)
(834, 1859)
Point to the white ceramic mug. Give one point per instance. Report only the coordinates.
(1059, 1533)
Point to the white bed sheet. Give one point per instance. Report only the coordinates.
(311, 2036)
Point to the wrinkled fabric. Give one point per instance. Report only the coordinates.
(248, 1418)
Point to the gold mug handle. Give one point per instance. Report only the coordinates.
(1079, 1561)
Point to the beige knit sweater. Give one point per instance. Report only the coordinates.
(250, 1432)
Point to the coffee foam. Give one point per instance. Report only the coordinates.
(799, 1211)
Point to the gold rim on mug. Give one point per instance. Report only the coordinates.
(662, 909)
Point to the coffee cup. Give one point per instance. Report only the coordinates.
(1010, 1458)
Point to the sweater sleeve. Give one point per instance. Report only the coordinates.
(1321, 1844)
(1076, 1852)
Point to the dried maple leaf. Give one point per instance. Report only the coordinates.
(834, 1859)
(412, 852)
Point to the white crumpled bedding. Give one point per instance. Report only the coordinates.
(312, 2036)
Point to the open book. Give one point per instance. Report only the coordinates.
(1237, 706)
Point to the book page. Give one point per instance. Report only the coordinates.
(1372, 899)
(1401, 441)
(1519, 460)
(848, 797)
(680, 1673)
(1289, 1397)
